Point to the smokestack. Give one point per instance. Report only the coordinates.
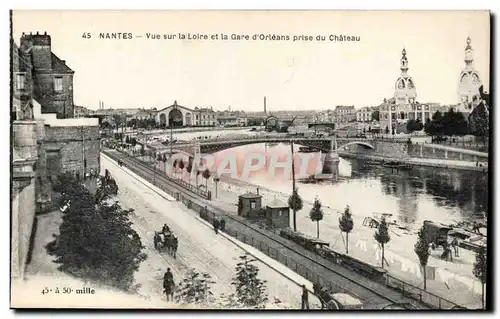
(265, 111)
(257, 191)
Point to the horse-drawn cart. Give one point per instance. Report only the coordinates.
(166, 241)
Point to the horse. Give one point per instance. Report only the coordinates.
(159, 240)
(324, 296)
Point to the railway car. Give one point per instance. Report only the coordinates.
(310, 243)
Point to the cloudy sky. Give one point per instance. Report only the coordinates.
(143, 72)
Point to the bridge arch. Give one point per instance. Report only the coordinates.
(365, 144)
(320, 144)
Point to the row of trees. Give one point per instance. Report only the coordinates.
(96, 241)
(447, 124)
(179, 163)
(383, 237)
(250, 290)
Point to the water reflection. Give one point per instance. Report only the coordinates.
(467, 191)
(410, 195)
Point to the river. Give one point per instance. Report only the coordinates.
(410, 195)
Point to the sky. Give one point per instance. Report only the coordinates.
(314, 75)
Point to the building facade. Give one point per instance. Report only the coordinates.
(469, 83)
(232, 118)
(344, 114)
(46, 140)
(82, 111)
(52, 78)
(175, 115)
(365, 114)
(204, 116)
(396, 111)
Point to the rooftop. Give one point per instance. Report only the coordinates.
(276, 203)
(249, 195)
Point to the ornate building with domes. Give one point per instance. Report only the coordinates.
(395, 112)
(469, 82)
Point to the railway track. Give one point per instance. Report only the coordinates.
(362, 289)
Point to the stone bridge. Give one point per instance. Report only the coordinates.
(323, 144)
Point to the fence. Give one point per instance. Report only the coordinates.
(406, 289)
(469, 144)
(420, 294)
(207, 194)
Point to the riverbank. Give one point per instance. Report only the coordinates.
(427, 162)
(453, 280)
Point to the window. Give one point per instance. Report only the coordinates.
(58, 87)
(20, 81)
(252, 205)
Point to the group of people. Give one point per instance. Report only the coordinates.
(448, 246)
(218, 224)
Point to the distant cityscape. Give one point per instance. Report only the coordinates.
(52, 135)
(393, 112)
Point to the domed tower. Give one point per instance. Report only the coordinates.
(405, 91)
(469, 81)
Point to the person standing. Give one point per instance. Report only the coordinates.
(305, 298)
(455, 245)
(216, 225)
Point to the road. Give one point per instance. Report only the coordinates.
(360, 286)
(199, 246)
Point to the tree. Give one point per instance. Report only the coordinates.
(346, 224)
(480, 269)
(216, 180)
(414, 125)
(96, 241)
(107, 187)
(189, 169)
(164, 160)
(382, 236)
(250, 290)
(127, 139)
(316, 214)
(422, 251)
(133, 141)
(195, 289)
(142, 152)
(434, 127)
(180, 164)
(479, 122)
(369, 129)
(376, 115)
(295, 203)
(206, 176)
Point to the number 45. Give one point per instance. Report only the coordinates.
(86, 35)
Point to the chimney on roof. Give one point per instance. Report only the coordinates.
(63, 61)
(37, 33)
(257, 191)
(45, 33)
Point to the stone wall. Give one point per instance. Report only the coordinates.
(23, 214)
(398, 149)
(71, 149)
(427, 151)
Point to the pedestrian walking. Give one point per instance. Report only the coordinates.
(168, 285)
(305, 298)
